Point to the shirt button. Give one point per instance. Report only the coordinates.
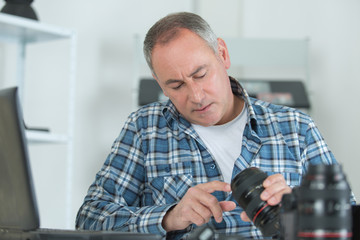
(213, 166)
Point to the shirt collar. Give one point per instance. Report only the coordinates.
(173, 117)
(240, 91)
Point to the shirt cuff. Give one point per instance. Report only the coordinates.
(150, 220)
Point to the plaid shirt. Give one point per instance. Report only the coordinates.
(158, 156)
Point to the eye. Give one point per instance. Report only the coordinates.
(200, 76)
(178, 86)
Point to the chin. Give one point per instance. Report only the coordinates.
(207, 123)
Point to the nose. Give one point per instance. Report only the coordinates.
(196, 92)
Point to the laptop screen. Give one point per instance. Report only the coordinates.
(18, 208)
(19, 215)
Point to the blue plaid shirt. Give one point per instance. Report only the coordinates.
(158, 156)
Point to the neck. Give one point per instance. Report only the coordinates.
(235, 109)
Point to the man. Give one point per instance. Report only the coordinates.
(170, 168)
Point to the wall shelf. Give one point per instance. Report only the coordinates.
(45, 137)
(22, 32)
(15, 29)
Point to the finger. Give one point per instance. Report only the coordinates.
(214, 206)
(273, 179)
(196, 218)
(209, 209)
(209, 201)
(213, 186)
(273, 192)
(244, 217)
(200, 214)
(227, 206)
(188, 211)
(276, 198)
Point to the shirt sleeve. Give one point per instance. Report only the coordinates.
(317, 151)
(115, 200)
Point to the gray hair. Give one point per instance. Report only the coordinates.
(167, 28)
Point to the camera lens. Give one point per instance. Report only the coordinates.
(246, 189)
(324, 204)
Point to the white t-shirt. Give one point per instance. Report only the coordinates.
(224, 142)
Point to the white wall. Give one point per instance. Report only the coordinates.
(331, 26)
(103, 90)
(104, 76)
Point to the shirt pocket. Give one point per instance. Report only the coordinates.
(170, 182)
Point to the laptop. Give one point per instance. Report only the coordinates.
(19, 216)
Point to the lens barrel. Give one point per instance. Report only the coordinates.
(246, 189)
(324, 210)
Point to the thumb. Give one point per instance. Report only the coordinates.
(244, 217)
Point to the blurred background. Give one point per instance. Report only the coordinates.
(92, 74)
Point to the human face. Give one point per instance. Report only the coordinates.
(195, 78)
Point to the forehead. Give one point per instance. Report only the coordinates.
(185, 50)
(179, 38)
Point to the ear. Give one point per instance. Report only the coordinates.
(223, 53)
(157, 80)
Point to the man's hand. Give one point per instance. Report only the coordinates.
(198, 206)
(275, 187)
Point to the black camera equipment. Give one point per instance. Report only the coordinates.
(356, 222)
(246, 189)
(320, 207)
(207, 232)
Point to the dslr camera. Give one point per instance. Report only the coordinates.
(318, 209)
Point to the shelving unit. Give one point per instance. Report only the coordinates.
(22, 32)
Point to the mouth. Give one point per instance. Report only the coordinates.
(203, 109)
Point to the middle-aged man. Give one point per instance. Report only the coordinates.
(170, 168)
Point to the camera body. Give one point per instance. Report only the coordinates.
(319, 208)
(289, 222)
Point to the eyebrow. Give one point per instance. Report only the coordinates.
(170, 81)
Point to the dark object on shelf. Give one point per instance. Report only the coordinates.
(20, 8)
(291, 93)
(149, 91)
